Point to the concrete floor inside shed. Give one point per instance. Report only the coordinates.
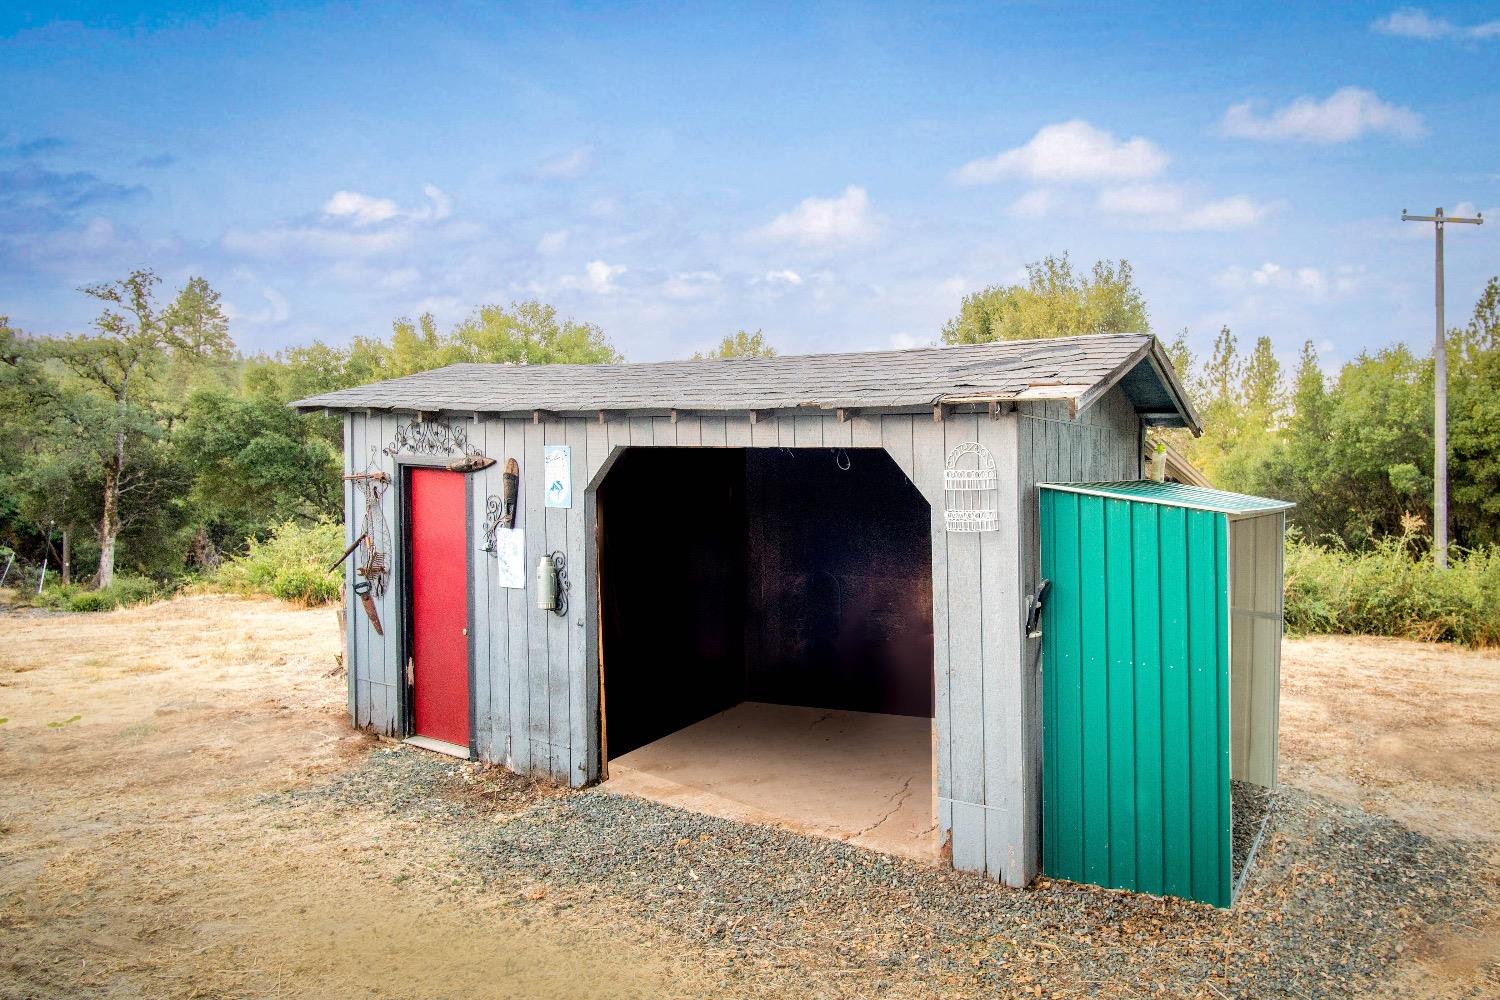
(859, 777)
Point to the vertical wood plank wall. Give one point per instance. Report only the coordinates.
(536, 681)
(1103, 445)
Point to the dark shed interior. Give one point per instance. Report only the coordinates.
(794, 577)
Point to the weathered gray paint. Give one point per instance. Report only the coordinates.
(536, 674)
(1256, 617)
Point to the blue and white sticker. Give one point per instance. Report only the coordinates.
(557, 475)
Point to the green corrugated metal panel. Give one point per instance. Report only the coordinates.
(1177, 495)
(1136, 695)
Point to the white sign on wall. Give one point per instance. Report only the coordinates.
(510, 558)
(557, 475)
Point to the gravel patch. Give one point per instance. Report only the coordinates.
(1250, 806)
(1335, 899)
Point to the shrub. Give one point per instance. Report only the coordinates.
(291, 565)
(126, 590)
(1394, 590)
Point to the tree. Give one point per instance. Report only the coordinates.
(1054, 302)
(530, 333)
(195, 323)
(113, 372)
(1265, 397)
(1181, 357)
(1474, 422)
(741, 345)
(254, 463)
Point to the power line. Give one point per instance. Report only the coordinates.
(1440, 392)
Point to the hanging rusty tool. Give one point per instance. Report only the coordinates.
(362, 588)
(372, 564)
(347, 552)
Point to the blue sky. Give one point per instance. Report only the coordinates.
(836, 174)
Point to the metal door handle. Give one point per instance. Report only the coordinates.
(466, 630)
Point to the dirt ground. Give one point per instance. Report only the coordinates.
(148, 848)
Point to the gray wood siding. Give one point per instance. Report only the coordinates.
(536, 689)
(1102, 445)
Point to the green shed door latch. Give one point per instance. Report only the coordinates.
(1034, 610)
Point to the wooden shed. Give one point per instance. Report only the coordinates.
(853, 535)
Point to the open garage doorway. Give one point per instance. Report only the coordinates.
(766, 627)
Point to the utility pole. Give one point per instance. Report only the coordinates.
(1440, 392)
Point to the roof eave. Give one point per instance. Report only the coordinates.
(1152, 353)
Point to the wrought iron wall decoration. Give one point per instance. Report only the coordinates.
(971, 489)
(431, 437)
(492, 517)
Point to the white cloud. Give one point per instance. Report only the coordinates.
(1311, 281)
(1069, 151)
(402, 277)
(825, 222)
(691, 285)
(1345, 115)
(276, 310)
(600, 277)
(440, 207)
(1142, 199)
(365, 210)
(569, 166)
(281, 240)
(1170, 207)
(1414, 22)
(784, 277)
(1468, 210)
(903, 341)
(1033, 204)
(360, 209)
(1234, 212)
(552, 243)
(953, 286)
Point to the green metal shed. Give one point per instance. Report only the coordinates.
(1161, 657)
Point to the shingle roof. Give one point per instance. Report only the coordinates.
(1177, 495)
(1074, 369)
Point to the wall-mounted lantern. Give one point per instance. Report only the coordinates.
(552, 584)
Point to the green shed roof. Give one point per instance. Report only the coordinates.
(1177, 495)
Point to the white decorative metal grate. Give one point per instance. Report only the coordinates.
(971, 489)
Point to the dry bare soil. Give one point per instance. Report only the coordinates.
(184, 812)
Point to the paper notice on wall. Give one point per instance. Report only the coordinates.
(510, 558)
(557, 475)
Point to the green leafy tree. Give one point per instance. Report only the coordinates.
(255, 463)
(1265, 395)
(108, 402)
(195, 323)
(1474, 421)
(1055, 301)
(740, 345)
(530, 333)
(1182, 358)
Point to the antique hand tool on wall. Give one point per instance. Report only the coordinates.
(362, 588)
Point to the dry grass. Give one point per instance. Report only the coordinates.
(138, 856)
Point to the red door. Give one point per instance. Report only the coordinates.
(439, 606)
